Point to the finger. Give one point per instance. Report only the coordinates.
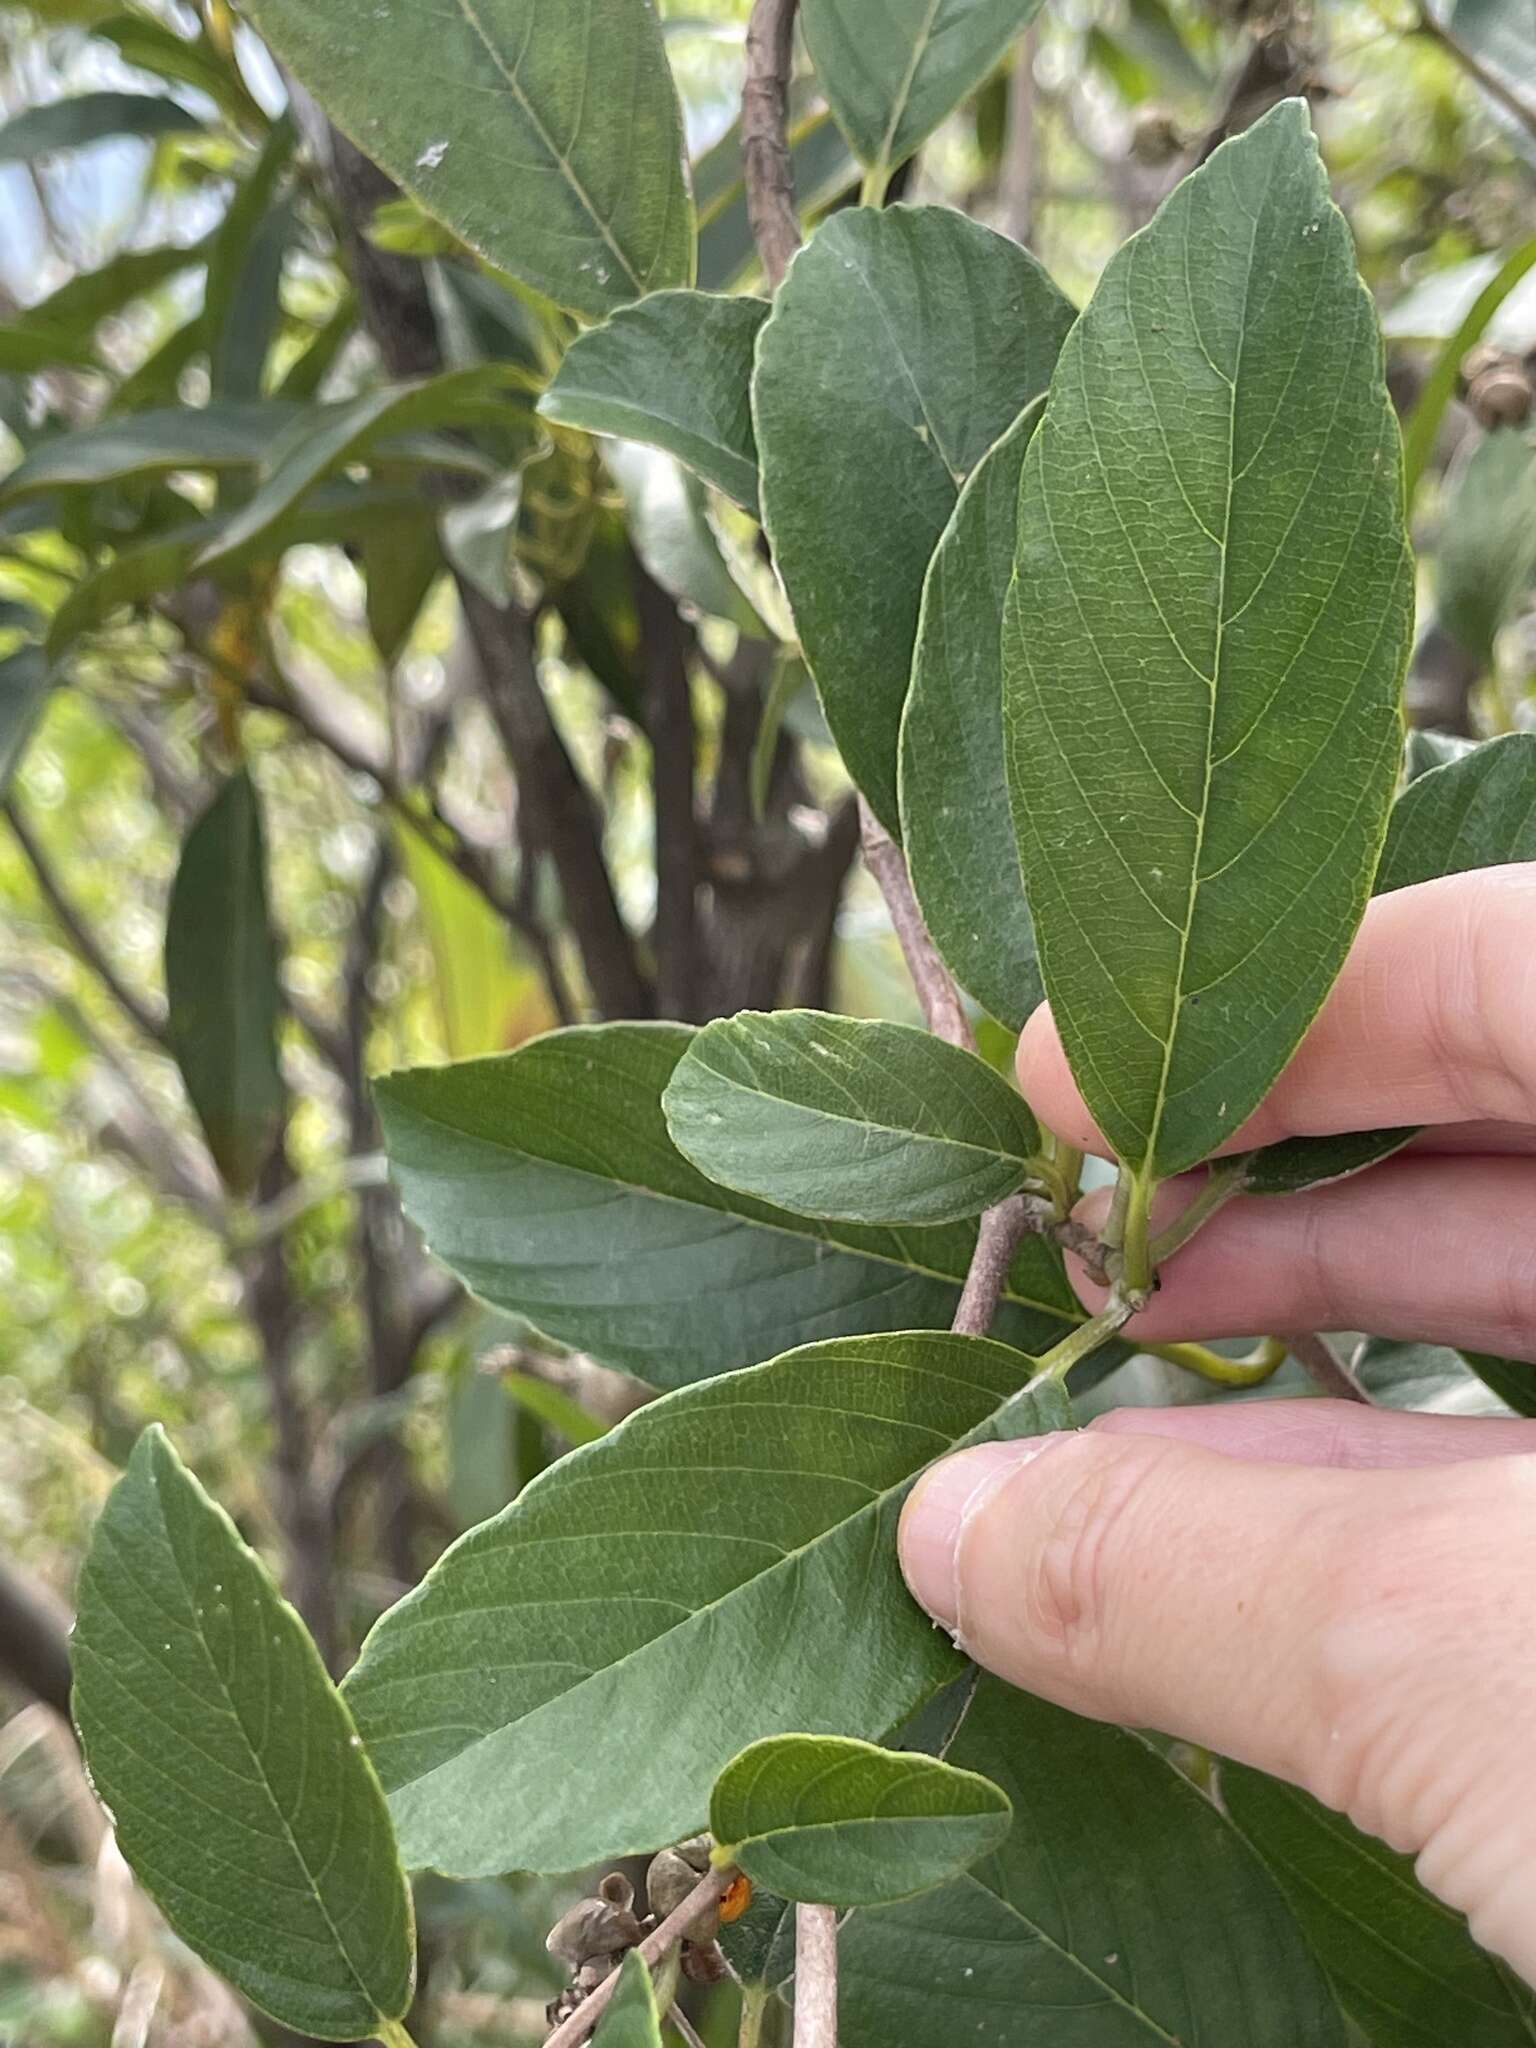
(1438, 1249)
(1429, 1023)
(1136, 1580)
(1329, 1433)
(1345, 1630)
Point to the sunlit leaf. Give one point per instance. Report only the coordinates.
(90, 117)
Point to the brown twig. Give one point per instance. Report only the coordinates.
(679, 2019)
(83, 941)
(1003, 1229)
(935, 990)
(769, 171)
(815, 1977)
(707, 1892)
(1327, 1372)
(1480, 73)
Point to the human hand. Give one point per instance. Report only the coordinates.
(1336, 1595)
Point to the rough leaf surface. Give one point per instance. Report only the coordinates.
(828, 1821)
(547, 1179)
(1204, 650)
(660, 1599)
(230, 1767)
(901, 345)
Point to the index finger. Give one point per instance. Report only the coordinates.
(1430, 1022)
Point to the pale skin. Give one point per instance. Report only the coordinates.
(1341, 1596)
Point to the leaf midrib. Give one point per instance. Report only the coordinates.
(903, 97)
(903, 1265)
(584, 198)
(865, 1123)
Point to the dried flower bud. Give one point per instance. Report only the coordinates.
(602, 1927)
(1501, 397)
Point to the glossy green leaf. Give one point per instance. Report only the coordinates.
(954, 793)
(1122, 1911)
(672, 1593)
(221, 984)
(1204, 649)
(1486, 554)
(893, 69)
(547, 1180)
(1477, 811)
(900, 346)
(1512, 1379)
(631, 2019)
(849, 1118)
(547, 137)
(91, 117)
(829, 1821)
(230, 435)
(24, 680)
(1405, 1966)
(673, 371)
(322, 439)
(229, 1765)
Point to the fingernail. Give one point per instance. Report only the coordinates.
(944, 1500)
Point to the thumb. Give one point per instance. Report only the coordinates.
(1142, 1580)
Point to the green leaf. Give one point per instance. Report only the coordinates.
(221, 984)
(1478, 811)
(1497, 296)
(547, 1180)
(893, 69)
(227, 435)
(24, 680)
(91, 117)
(78, 306)
(954, 792)
(401, 562)
(666, 1596)
(570, 174)
(1405, 1966)
(1512, 1379)
(30, 346)
(674, 372)
(827, 1821)
(1122, 1911)
(478, 536)
(151, 46)
(323, 439)
(1424, 750)
(241, 304)
(1204, 649)
(1486, 553)
(229, 1765)
(1424, 1376)
(631, 2020)
(671, 532)
(900, 346)
(847, 1118)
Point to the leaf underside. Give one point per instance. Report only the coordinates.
(1205, 645)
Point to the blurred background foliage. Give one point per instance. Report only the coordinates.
(460, 665)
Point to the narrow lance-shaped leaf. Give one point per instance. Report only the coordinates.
(24, 679)
(631, 2019)
(1486, 553)
(892, 69)
(673, 371)
(91, 117)
(1205, 645)
(229, 1765)
(900, 346)
(828, 1821)
(955, 820)
(321, 440)
(221, 984)
(548, 137)
(231, 435)
(1478, 811)
(1406, 1967)
(671, 1593)
(547, 1180)
(1122, 1911)
(842, 1117)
